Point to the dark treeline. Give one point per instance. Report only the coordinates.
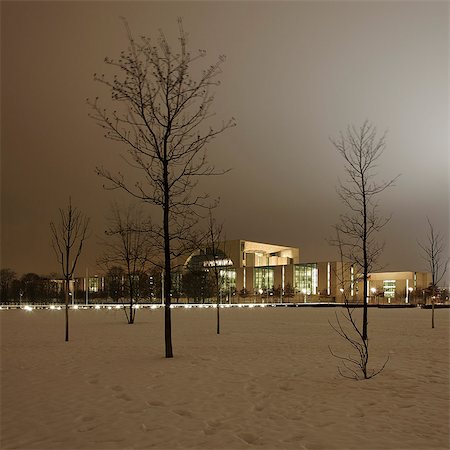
(30, 287)
(34, 288)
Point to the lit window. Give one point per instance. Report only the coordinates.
(389, 288)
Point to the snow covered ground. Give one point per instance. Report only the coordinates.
(268, 381)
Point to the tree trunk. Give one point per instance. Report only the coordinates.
(366, 274)
(67, 310)
(130, 284)
(167, 265)
(218, 313)
(432, 313)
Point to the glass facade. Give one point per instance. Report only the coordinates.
(227, 280)
(306, 278)
(389, 288)
(263, 278)
(94, 284)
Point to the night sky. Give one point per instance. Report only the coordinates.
(296, 74)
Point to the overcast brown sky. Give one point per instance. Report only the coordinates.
(296, 74)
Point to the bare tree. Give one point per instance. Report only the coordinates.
(355, 364)
(214, 238)
(115, 280)
(128, 247)
(68, 236)
(163, 129)
(433, 253)
(357, 228)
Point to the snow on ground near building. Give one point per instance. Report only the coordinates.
(268, 381)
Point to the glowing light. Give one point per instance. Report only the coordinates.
(109, 307)
(373, 290)
(263, 305)
(52, 307)
(75, 307)
(153, 307)
(251, 306)
(58, 308)
(97, 306)
(218, 262)
(28, 308)
(117, 307)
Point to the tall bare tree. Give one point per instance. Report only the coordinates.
(162, 125)
(433, 253)
(357, 228)
(129, 247)
(68, 236)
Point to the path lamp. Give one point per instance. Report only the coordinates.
(261, 293)
(408, 295)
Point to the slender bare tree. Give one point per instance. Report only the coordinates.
(68, 236)
(353, 365)
(357, 228)
(128, 247)
(162, 125)
(433, 253)
(215, 231)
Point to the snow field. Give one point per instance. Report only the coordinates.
(268, 381)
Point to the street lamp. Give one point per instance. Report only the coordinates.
(408, 296)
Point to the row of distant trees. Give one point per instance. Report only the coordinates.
(34, 288)
(30, 286)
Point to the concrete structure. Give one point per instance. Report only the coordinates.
(262, 272)
(398, 286)
(249, 267)
(273, 272)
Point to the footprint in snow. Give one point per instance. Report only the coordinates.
(182, 412)
(154, 403)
